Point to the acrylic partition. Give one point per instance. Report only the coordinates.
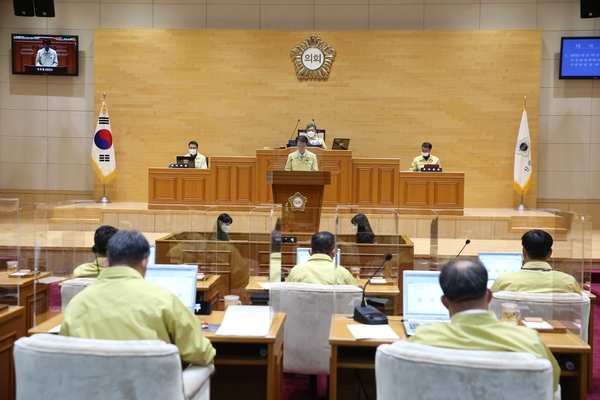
(496, 241)
(10, 251)
(374, 252)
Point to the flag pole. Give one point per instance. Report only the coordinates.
(104, 199)
(522, 206)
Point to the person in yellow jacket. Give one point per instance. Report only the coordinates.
(473, 327)
(121, 305)
(92, 269)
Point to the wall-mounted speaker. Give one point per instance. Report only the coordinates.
(23, 8)
(44, 8)
(590, 8)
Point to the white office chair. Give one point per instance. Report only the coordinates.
(570, 307)
(308, 309)
(71, 287)
(60, 367)
(405, 371)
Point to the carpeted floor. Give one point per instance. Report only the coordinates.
(595, 395)
(297, 387)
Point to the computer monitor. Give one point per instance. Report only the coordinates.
(190, 161)
(152, 256)
(302, 255)
(498, 263)
(340, 144)
(179, 279)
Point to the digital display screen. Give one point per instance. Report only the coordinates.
(579, 58)
(45, 55)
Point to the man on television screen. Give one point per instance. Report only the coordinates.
(46, 57)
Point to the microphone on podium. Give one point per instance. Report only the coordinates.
(292, 142)
(466, 243)
(369, 315)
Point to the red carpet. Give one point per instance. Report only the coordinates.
(595, 395)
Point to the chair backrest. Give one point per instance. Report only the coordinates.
(59, 367)
(564, 307)
(405, 370)
(71, 287)
(308, 309)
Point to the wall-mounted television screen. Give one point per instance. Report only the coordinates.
(45, 55)
(579, 58)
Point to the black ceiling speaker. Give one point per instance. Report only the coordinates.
(44, 8)
(23, 8)
(590, 8)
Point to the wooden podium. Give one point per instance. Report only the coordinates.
(301, 195)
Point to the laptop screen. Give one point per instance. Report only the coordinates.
(422, 296)
(302, 256)
(499, 263)
(179, 279)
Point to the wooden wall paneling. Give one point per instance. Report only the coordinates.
(339, 191)
(369, 97)
(363, 176)
(448, 192)
(223, 183)
(414, 192)
(387, 183)
(245, 181)
(194, 188)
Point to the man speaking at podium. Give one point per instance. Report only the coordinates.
(425, 158)
(302, 159)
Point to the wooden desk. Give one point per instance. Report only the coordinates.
(210, 289)
(37, 303)
(388, 290)
(12, 327)
(241, 360)
(245, 364)
(349, 353)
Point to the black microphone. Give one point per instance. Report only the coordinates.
(289, 161)
(369, 315)
(466, 243)
(296, 127)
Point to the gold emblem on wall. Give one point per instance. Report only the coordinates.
(313, 58)
(297, 202)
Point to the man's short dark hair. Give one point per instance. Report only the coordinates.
(464, 279)
(127, 248)
(537, 243)
(194, 143)
(322, 243)
(427, 145)
(46, 41)
(302, 139)
(101, 238)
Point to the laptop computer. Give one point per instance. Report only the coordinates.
(421, 293)
(190, 161)
(302, 255)
(340, 144)
(179, 279)
(498, 263)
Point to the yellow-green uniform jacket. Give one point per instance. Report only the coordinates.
(420, 161)
(89, 270)
(121, 305)
(307, 163)
(320, 269)
(536, 277)
(481, 330)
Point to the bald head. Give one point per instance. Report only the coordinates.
(464, 283)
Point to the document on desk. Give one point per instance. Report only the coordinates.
(372, 332)
(264, 285)
(246, 321)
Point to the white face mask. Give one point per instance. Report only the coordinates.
(425, 154)
(310, 134)
(355, 228)
(193, 152)
(225, 228)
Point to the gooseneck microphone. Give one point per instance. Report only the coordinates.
(369, 315)
(296, 127)
(466, 243)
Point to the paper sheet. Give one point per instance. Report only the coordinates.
(265, 285)
(51, 279)
(56, 329)
(538, 325)
(372, 332)
(246, 321)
